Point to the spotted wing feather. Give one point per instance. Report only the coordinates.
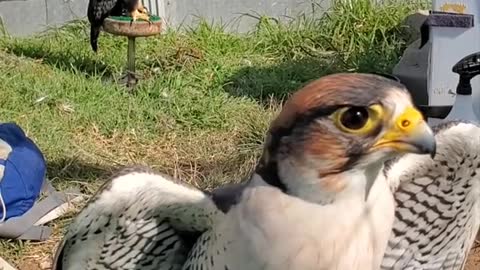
(438, 202)
(138, 220)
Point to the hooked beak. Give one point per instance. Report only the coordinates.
(409, 133)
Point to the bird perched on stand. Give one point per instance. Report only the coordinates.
(99, 10)
(321, 197)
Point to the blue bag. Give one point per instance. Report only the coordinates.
(22, 171)
(22, 179)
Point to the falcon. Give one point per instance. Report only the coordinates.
(99, 10)
(321, 196)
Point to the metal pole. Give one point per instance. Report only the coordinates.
(131, 55)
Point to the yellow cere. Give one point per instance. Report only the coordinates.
(404, 126)
(409, 120)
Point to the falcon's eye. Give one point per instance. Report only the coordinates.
(354, 118)
(358, 120)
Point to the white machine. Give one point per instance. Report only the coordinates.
(445, 60)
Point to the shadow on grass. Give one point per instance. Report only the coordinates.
(70, 171)
(278, 81)
(63, 59)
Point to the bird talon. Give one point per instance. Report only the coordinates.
(136, 15)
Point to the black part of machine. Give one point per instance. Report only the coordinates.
(468, 67)
(444, 19)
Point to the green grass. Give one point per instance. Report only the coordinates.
(204, 103)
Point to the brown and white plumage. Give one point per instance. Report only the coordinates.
(318, 198)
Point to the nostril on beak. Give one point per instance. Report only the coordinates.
(405, 124)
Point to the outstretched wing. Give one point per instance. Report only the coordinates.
(438, 202)
(138, 220)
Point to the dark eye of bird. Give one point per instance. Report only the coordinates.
(354, 118)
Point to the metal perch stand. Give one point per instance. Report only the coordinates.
(123, 26)
(131, 79)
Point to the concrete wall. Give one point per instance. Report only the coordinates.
(26, 17)
(233, 13)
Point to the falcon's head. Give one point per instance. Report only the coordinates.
(333, 136)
